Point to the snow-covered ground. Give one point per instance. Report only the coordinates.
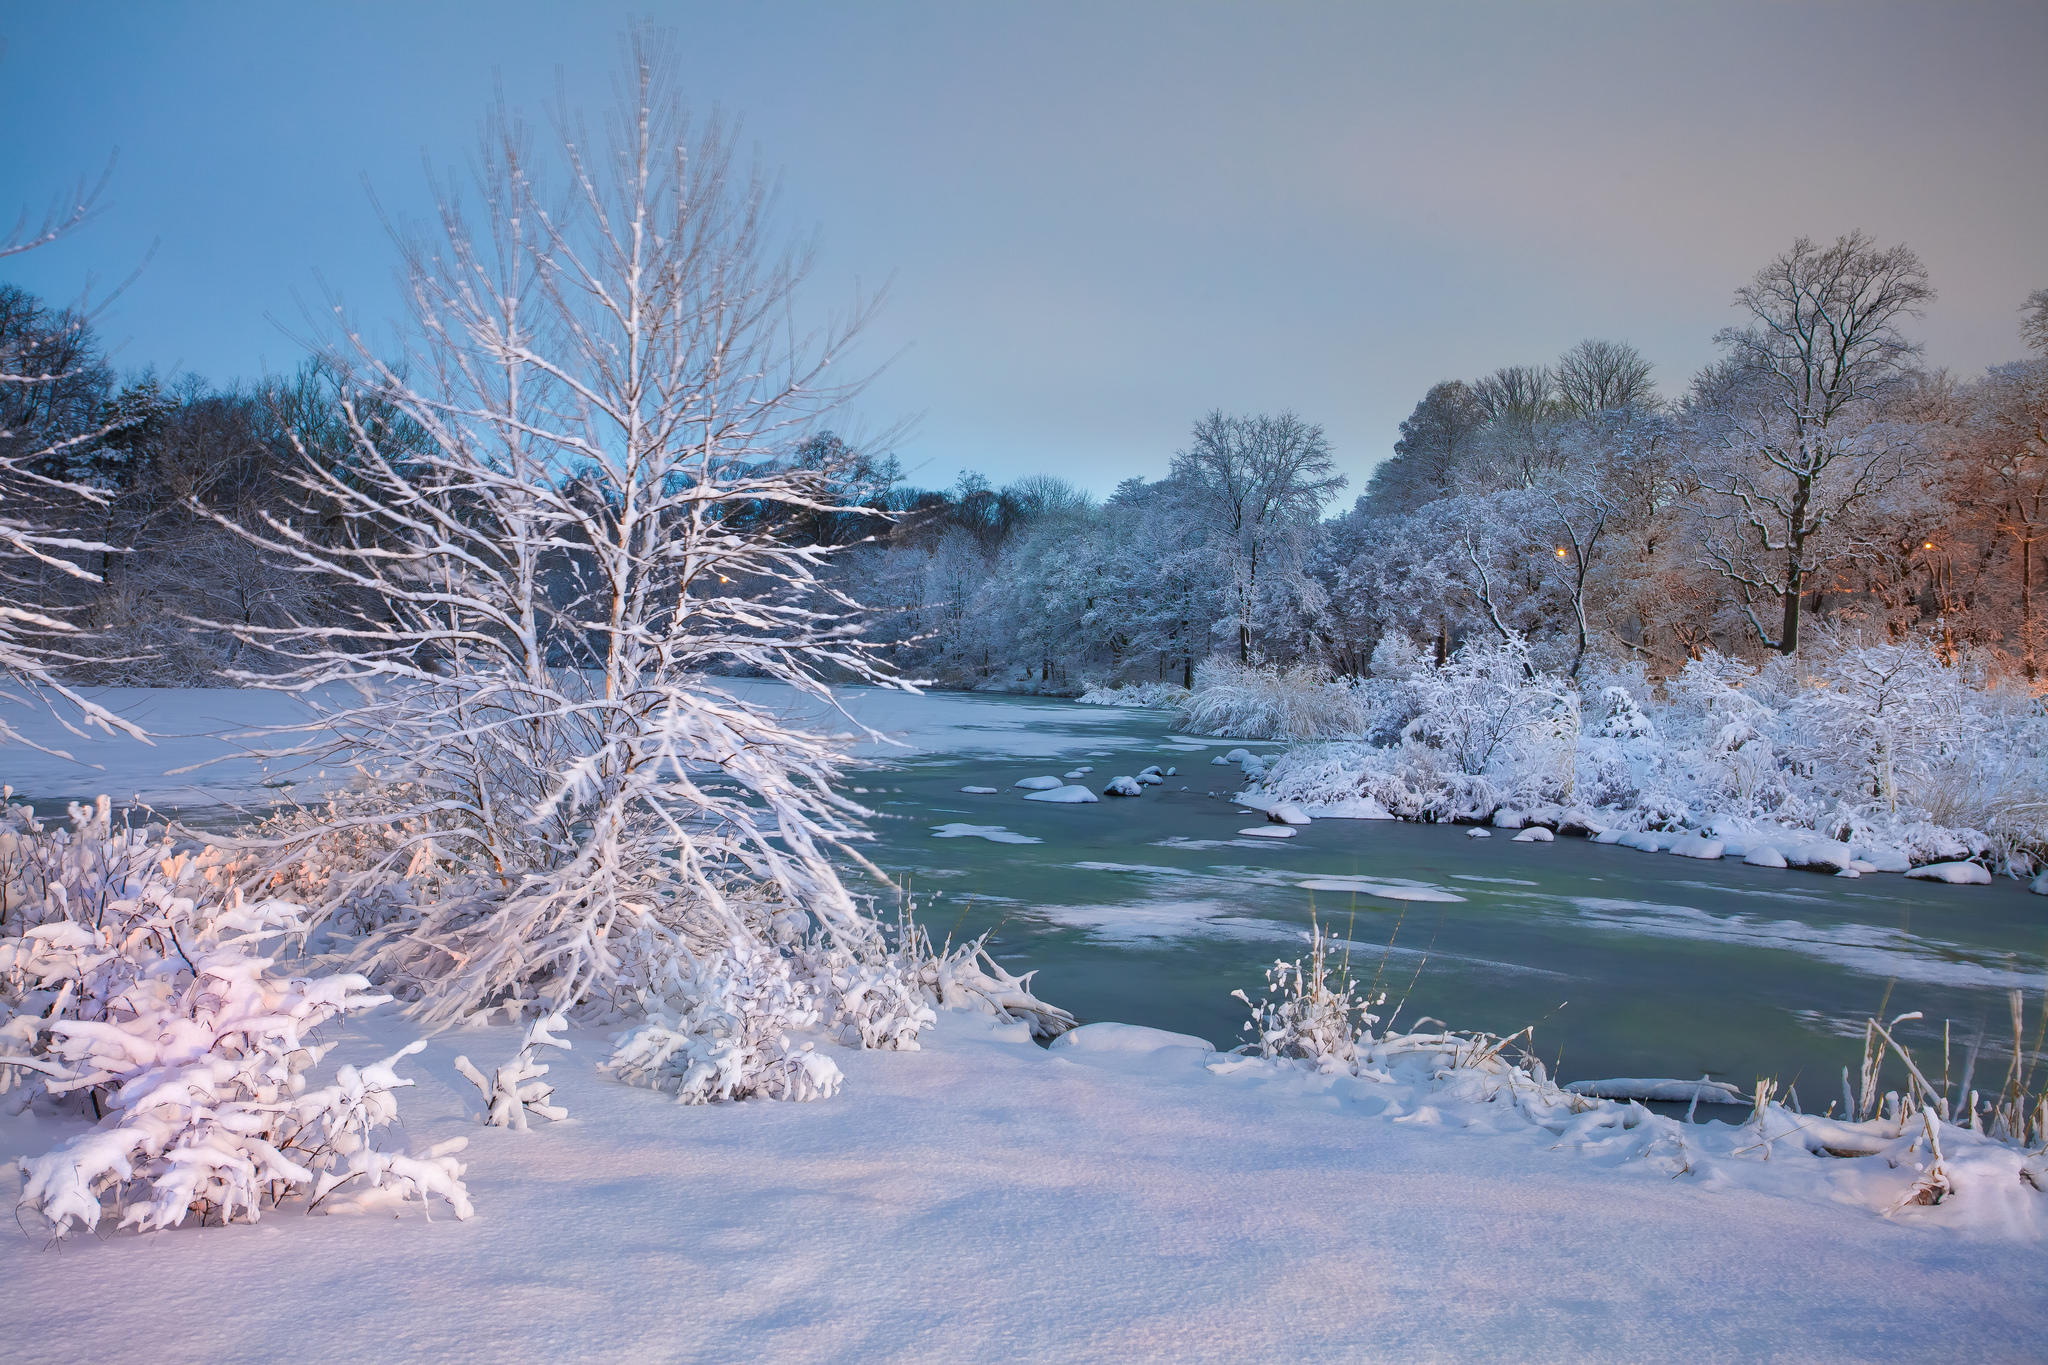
(986, 1199)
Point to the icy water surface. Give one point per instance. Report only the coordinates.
(1152, 910)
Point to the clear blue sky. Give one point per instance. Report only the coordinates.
(1100, 219)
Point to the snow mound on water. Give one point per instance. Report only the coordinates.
(1955, 874)
(979, 791)
(1269, 832)
(1385, 890)
(1065, 796)
(1037, 784)
(1123, 786)
(1535, 834)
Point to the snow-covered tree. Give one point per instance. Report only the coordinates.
(1790, 415)
(1253, 489)
(43, 356)
(593, 521)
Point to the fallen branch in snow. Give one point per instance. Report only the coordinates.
(516, 1087)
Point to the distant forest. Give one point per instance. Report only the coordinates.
(1815, 480)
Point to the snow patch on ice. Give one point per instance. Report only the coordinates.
(995, 834)
(1384, 889)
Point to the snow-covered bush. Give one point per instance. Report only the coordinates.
(1892, 752)
(138, 985)
(1489, 706)
(1306, 1014)
(1153, 696)
(721, 1028)
(1234, 701)
(746, 1023)
(514, 1089)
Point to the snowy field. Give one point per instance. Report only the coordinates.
(986, 1199)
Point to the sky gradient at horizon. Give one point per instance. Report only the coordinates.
(1097, 221)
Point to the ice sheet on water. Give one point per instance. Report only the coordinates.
(995, 834)
(1755, 892)
(1151, 869)
(1384, 888)
(1154, 921)
(1869, 950)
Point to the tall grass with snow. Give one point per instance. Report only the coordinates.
(1301, 702)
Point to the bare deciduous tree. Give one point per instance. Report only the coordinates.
(38, 356)
(596, 526)
(1823, 344)
(1600, 376)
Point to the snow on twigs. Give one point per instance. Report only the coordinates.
(516, 1089)
(133, 981)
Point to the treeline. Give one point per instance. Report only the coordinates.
(1816, 477)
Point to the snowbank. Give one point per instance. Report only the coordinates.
(1878, 759)
(1073, 1204)
(1148, 696)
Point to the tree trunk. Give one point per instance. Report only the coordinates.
(1795, 568)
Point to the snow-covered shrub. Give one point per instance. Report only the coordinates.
(1489, 705)
(1876, 717)
(720, 1028)
(746, 1023)
(1894, 750)
(1234, 701)
(516, 1088)
(1305, 1014)
(134, 980)
(1891, 1150)
(1621, 716)
(1153, 696)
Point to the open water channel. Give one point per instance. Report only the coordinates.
(1152, 910)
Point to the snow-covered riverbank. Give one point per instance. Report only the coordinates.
(1876, 759)
(985, 1198)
